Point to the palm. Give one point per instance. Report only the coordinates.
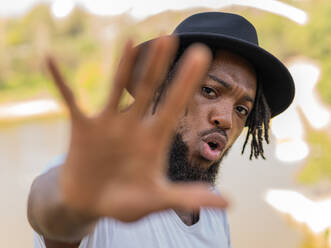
(116, 162)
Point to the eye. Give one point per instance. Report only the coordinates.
(209, 92)
(243, 111)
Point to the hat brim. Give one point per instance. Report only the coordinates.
(277, 82)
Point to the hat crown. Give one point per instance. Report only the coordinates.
(219, 23)
(232, 32)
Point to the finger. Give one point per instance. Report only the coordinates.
(188, 196)
(65, 91)
(192, 69)
(122, 76)
(157, 63)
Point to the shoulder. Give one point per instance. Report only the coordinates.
(101, 236)
(58, 161)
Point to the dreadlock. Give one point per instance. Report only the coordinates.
(257, 122)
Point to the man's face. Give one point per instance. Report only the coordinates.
(216, 115)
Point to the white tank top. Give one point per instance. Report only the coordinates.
(159, 230)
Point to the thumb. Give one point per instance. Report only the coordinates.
(190, 196)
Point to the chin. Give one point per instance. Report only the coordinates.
(203, 162)
(186, 167)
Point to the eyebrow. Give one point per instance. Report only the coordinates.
(228, 86)
(225, 84)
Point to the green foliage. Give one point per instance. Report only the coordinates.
(287, 39)
(318, 165)
(88, 81)
(81, 36)
(87, 47)
(311, 240)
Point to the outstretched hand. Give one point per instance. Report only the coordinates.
(117, 162)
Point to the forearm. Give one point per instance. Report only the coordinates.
(50, 216)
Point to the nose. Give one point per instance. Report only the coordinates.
(221, 117)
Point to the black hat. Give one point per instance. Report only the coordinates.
(233, 32)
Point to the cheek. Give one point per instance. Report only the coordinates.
(183, 127)
(187, 127)
(191, 116)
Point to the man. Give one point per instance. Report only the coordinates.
(122, 181)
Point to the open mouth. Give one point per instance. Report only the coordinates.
(213, 145)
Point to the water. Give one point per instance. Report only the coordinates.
(26, 148)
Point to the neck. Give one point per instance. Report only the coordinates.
(188, 217)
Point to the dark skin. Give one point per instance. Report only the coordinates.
(129, 182)
(224, 99)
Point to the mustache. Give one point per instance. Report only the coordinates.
(214, 130)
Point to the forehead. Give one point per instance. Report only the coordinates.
(234, 70)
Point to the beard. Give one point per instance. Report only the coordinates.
(182, 170)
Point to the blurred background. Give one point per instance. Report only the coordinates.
(284, 201)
